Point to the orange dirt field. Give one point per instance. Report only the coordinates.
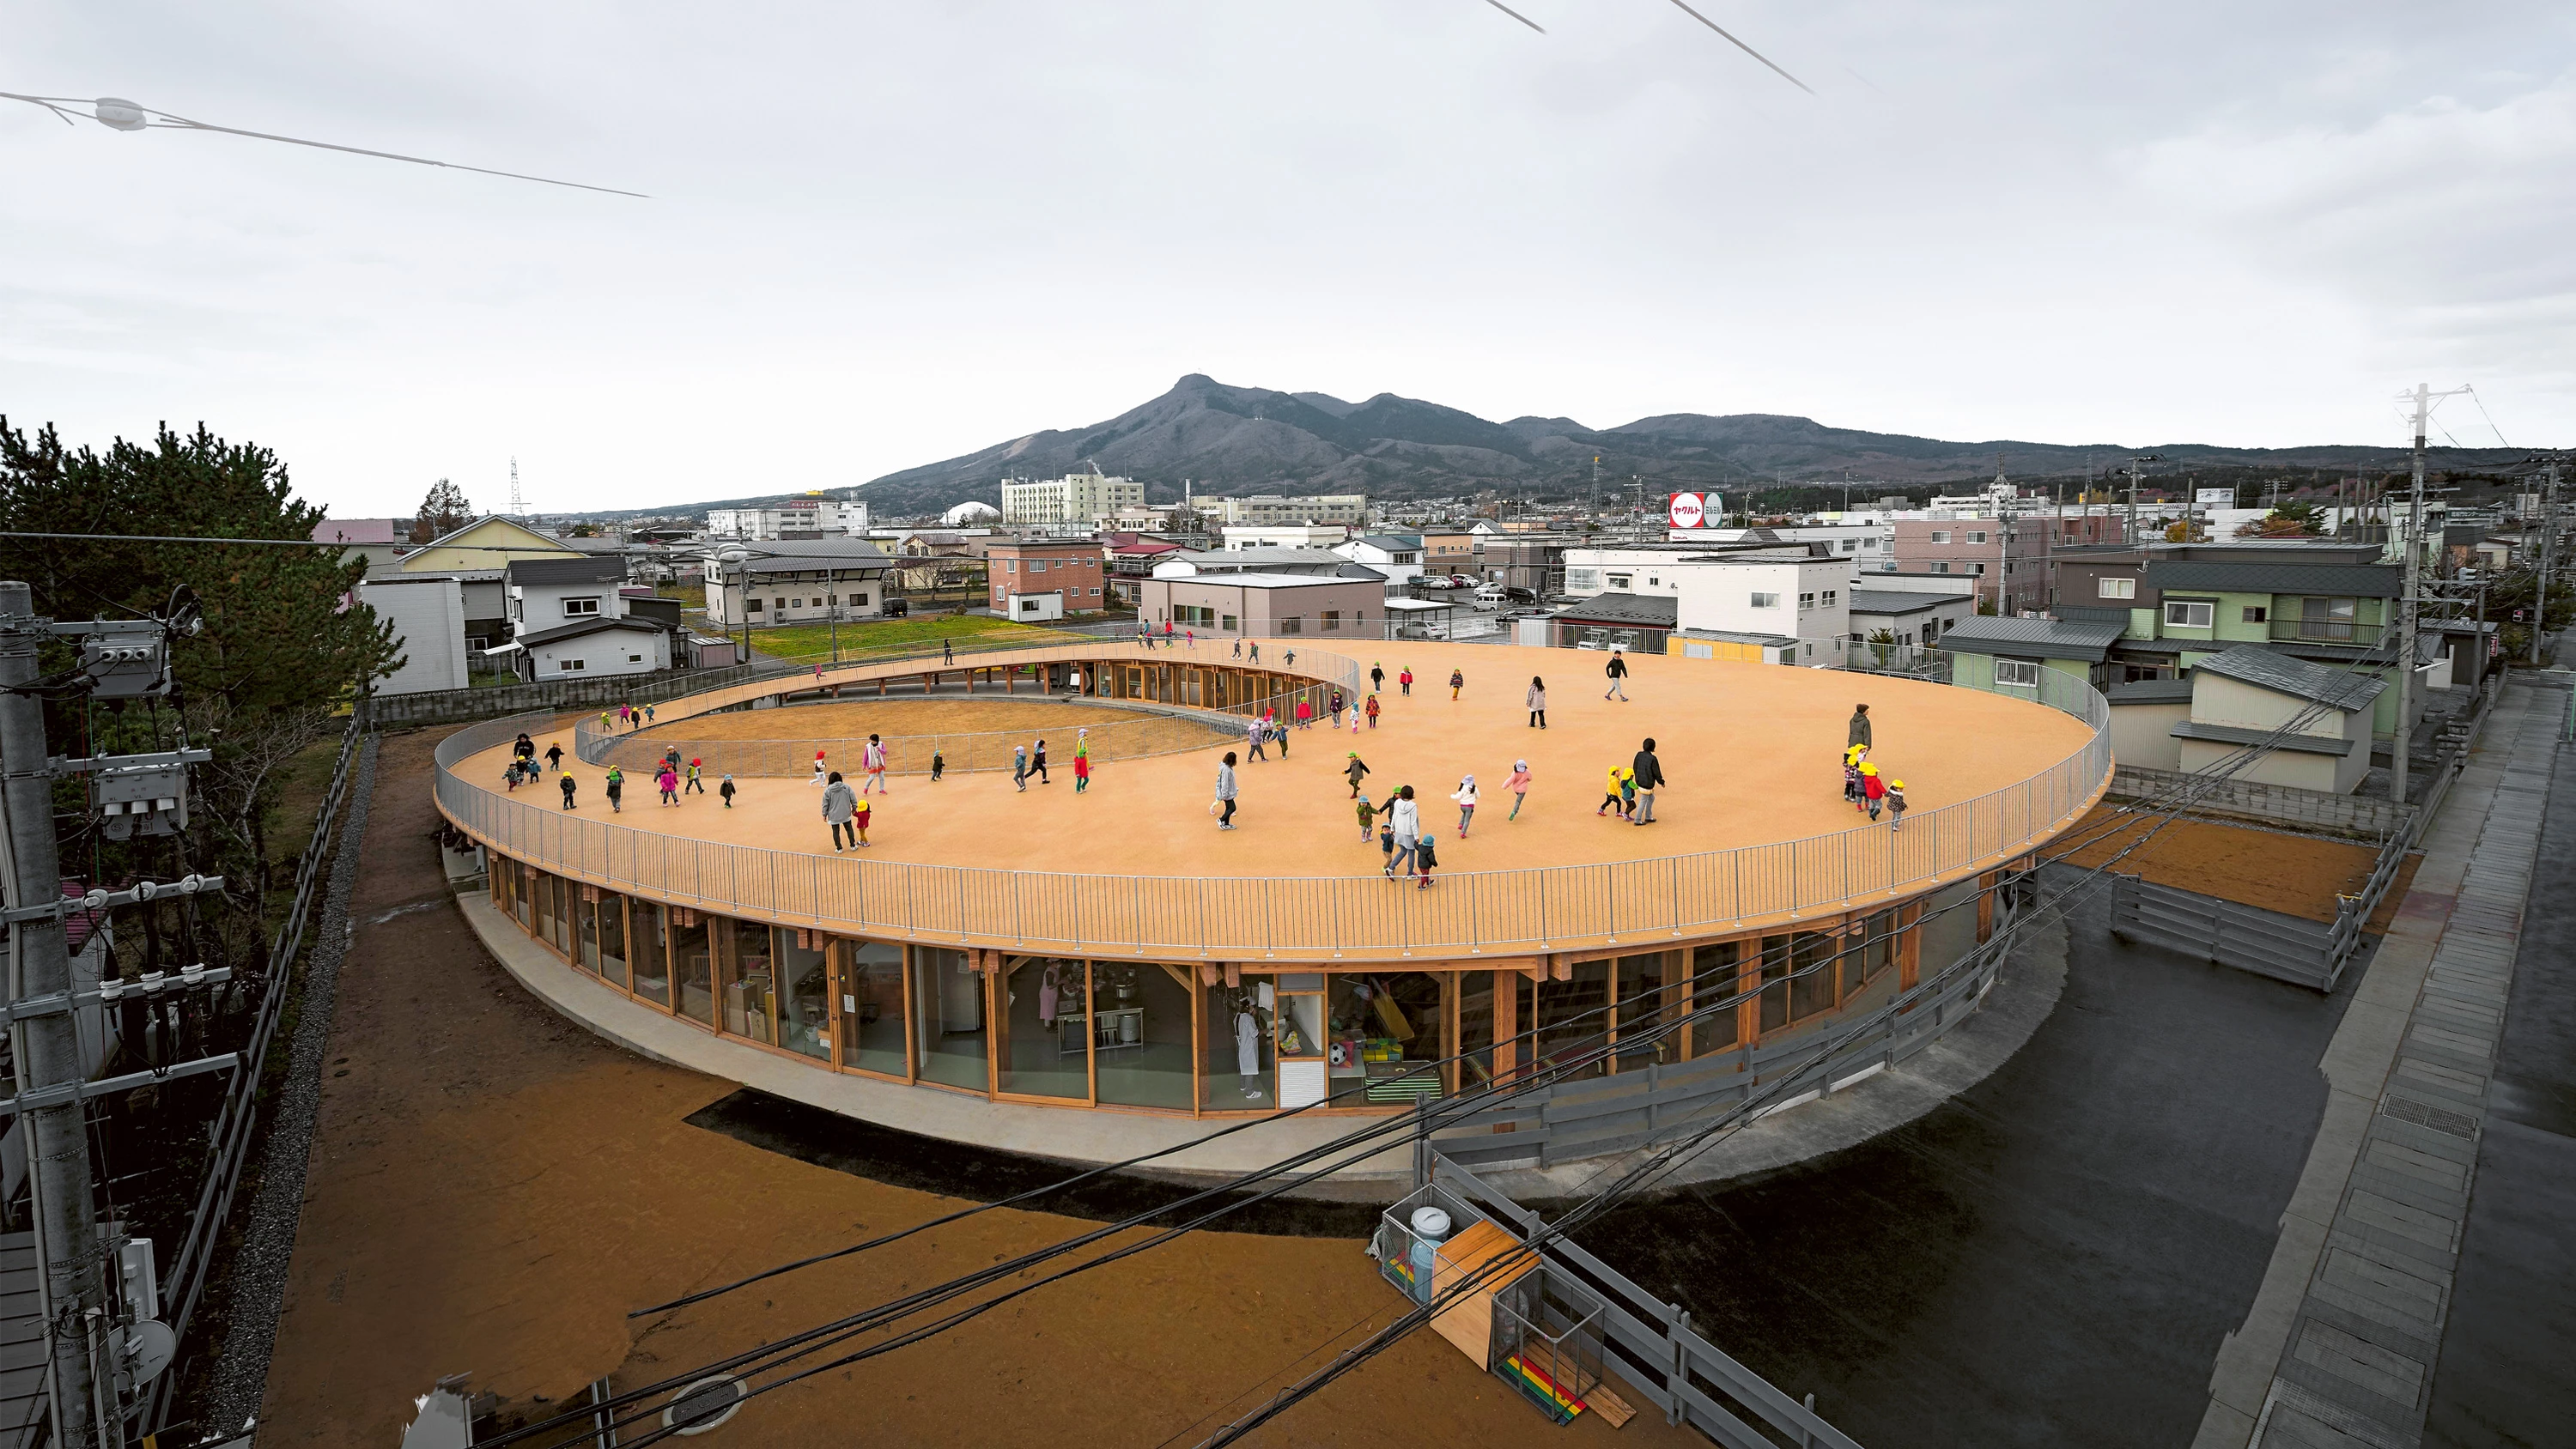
(2296, 875)
(852, 720)
(493, 1188)
(1752, 752)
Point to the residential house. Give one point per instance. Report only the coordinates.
(1534, 561)
(1792, 591)
(2005, 653)
(1396, 556)
(2328, 602)
(1905, 616)
(1265, 605)
(1318, 561)
(427, 612)
(547, 593)
(380, 542)
(2007, 556)
(1132, 557)
(1638, 622)
(798, 582)
(2313, 720)
(1452, 550)
(1046, 578)
(475, 556)
(587, 648)
(1282, 535)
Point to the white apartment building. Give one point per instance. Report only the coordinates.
(1077, 499)
(795, 518)
(1865, 541)
(1285, 535)
(1262, 508)
(1787, 592)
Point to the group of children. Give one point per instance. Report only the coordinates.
(626, 716)
(670, 776)
(1400, 836)
(1868, 791)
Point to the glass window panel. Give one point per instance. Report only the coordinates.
(1042, 1044)
(1475, 1029)
(612, 939)
(948, 1017)
(1775, 983)
(1811, 962)
(1378, 1024)
(1241, 1058)
(1713, 989)
(692, 958)
(563, 927)
(747, 981)
(1143, 1041)
(1571, 1020)
(653, 952)
(805, 995)
(586, 915)
(1641, 1006)
(522, 897)
(872, 1008)
(545, 918)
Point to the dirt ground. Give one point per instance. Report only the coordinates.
(2296, 875)
(492, 1189)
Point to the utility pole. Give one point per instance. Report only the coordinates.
(2424, 398)
(48, 1044)
(2548, 548)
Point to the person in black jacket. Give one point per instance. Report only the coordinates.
(1617, 672)
(1650, 773)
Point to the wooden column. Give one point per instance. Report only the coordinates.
(1985, 907)
(1677, 989)
(1507, 1010)
(1909, 946)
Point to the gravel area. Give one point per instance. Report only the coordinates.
(268, 1238)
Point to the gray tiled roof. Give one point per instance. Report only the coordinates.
(2370, 581)
(2150, 691)
(1898, 601)
(1651, 610)
(2046, 638)
(584, 570)
(2260, 667)
(2192, 729)
(588, 626)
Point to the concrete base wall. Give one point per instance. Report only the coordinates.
(2347, 814)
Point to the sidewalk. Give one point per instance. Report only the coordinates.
(2340, 1344)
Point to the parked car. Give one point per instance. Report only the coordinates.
(1459, 581)
(898, 608)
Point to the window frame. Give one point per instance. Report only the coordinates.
(2025, 673)
(2107, 587)
(2208, 613)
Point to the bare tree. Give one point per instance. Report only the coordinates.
(441, 513)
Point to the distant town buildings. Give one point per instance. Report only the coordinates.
(1046, 579)
(1271, 508)
(797, 518)
(1078, 499)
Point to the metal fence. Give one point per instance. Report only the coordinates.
(237, 1122)
(1241, 918)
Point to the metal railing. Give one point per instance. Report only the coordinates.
(1551, 908)
(2327, 631)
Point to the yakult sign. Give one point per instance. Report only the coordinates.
(1689, 511)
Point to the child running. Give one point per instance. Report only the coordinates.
(1465, 795)
(1873, 790)
(1518, 784)
(1457, 681)
(670, 784)
(1357, 770)
(1367, 812)
(726, 790)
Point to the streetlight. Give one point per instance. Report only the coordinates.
(119, 114)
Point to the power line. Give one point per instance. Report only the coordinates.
(1740, 45)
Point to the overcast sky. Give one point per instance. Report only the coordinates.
(886, 234)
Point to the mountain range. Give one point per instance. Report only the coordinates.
(1232, 440)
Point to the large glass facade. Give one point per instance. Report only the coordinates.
(1171, 1038)
(948, 1017)
(872, 1009)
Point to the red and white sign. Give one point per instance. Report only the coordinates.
(1688, 511)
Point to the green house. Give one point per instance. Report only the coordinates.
(2005, 654)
